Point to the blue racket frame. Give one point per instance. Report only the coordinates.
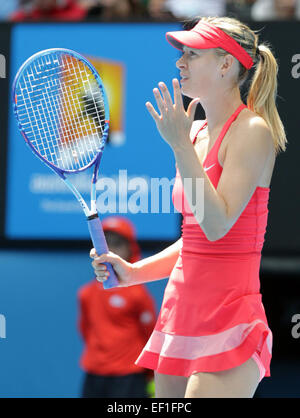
(94, 223)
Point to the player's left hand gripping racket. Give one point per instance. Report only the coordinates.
(62, 112)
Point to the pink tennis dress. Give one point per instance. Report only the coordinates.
(212, 317)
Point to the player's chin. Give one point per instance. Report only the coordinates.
(187, 91)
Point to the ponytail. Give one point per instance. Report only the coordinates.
(262, 95)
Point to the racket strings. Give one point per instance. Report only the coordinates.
(85, 131)
(61, 110)
(76, 122)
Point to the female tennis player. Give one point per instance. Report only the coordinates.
(212, 337)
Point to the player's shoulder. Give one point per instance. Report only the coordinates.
(255, 132)
(251, 123)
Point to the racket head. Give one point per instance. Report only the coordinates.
(61, 109)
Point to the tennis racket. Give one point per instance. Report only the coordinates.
(62, 112)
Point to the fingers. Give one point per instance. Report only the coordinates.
(152, 111)
(177, 94)
(93, 253)
(166, 95)
(159, 101)
(101, 272)
(170, 118)
(105, 258)
(100, 268)
(163, 100)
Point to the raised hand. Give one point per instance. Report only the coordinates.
(173, 122)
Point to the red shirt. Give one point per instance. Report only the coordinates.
(71, 11)
(115, 325)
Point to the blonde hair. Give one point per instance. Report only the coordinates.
(262, 93)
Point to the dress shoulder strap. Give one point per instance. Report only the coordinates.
(229, 122)
(200, 129)
(225, 128)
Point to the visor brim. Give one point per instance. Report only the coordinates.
(191, 39)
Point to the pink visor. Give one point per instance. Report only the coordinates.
(205, 36)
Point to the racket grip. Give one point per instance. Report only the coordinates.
(100, 246)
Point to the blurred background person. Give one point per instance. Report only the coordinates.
(240, 8)
(115, 325)
(275, 10)
(109, 10)
(184, 9)
(65, 10)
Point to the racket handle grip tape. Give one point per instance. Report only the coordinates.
(99, 242)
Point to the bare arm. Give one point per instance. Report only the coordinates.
(156, 267)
